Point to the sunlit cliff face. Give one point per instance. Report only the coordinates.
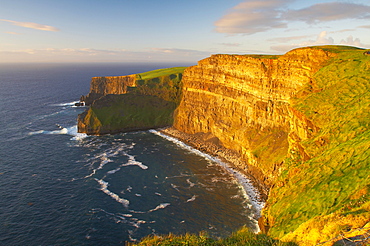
(244, 101)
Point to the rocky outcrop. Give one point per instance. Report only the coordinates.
(101, 86)
(245, 102)
(132, 102)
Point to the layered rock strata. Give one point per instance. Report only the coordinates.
(101, 86)
(244, 102)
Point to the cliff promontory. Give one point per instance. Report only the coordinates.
(300, 123)
(133, 102)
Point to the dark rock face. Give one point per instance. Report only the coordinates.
(123, 113)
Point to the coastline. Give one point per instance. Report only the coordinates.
(229, 160)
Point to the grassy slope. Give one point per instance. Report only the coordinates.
(160, 72)
(243, 237)
(330, 192)
(164, 83)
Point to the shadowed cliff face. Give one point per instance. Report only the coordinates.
(244, 101)
(133, 102)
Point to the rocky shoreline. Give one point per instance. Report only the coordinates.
(210, 145)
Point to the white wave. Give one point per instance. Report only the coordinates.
(190, 183)
(36, 132)
(63, 131)
(73, 131)
(126, 215)
(160, 206)
(114, 171)
(175, 187)
(103, 161)
(250, 193)
(133, 161)
(192, 198)
(104, 188)
(66, 104)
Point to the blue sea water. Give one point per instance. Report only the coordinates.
(58, 187)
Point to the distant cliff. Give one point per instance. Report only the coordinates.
(133, 102)
(299, 121)
(101, 86)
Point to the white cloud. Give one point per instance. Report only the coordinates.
(253, 16)
(13, 33)
(230, 44)
(287, 39)
(96, 55)
(32, 25)
(322, 39)
(329, 12)
(349, 41)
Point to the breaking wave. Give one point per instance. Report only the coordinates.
(104, 188)
(72, 131)
(250, 193)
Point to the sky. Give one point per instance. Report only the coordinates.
(173, 30)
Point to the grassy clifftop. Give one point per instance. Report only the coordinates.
(320, 198)
(323, 191)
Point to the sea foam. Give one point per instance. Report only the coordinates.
(104, 188)
(72, 131)
(250, 193)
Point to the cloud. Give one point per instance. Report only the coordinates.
(13, 33)
(366, 26)
(253, 16)
(98, 55)
(32, 25)
(322, 39)
(328, 12)
(349, 41)
(287, 39)
(230, 44)
(180, 52)
(344, 30)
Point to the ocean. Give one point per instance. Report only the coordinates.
(59, 187)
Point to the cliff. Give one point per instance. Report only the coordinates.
(300, 123)
(133, 102)
(244, 101)
(101, 86)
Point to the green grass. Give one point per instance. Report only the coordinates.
(163, 83)
(160, 72)
(242, 237)
(340, 150)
